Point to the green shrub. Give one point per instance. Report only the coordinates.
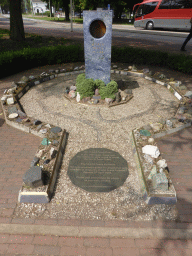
(109, 90)
(99, 84)
(85, 87)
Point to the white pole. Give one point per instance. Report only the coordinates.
(71, 16)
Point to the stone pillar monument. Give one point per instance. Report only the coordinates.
(97, 27)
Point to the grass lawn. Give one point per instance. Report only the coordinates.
(31, 41)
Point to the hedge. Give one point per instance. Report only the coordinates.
(17, 61)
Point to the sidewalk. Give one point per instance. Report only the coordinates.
(78, 237)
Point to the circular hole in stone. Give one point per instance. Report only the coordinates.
(97, 28)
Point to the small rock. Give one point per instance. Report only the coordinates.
(125, 69)
(53, 136)
(188, 94)
(151, 140)
(148, 158)
(31, 78)
(66, 91)
(13, 85)
(55, 142)
(21, 114)
(72, 94)
(46, 161)
(130, 67)
(160, 181)
(76, 68)
(108, 100)
(45, 142)
(73, 88)
(12, 110)
(162, 76)
(169, 124)
(145, 133)
(181, 110)
(86, 99)
(151, 150)
(114, 66)
(96, 91)
(156, 127)
(153, 172)
(96, 97)
(4, 99)
(57, 71)
(37, 122)
(25, 79)
(53, 153)
(78, 98)
(134, 69)
(13, 115)
(147, 127)
(35, 161)
(55, 129)
(51, 71)
(10, 101)
(162, 163)
(62, 70)
(123, 95)
(117, 97)
(128, 91)
(178, 83)
(43, 131)
(39, 127)
(48, 125)
(95, 101)
(39, 153)
(18, 120)
(145, 70)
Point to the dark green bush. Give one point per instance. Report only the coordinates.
(85, 88)
(99, 84)
(109, 90)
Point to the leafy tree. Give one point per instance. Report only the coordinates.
(62, 4)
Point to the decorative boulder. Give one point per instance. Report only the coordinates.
(33, 177)
(151, 150)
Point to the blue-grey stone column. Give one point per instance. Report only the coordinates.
(97, 27)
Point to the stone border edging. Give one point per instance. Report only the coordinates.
(109, 232)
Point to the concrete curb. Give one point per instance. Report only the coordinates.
(79, 231)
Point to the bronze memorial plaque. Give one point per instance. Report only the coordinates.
(98, 170)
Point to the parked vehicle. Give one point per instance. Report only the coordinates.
(168, 14)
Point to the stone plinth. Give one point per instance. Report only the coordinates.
(97, 27)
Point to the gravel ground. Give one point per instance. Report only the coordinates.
(98, 127)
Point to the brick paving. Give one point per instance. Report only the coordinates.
(86, 246)
(17, 150)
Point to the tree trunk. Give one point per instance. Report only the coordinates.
(16, 21)
(66, 8)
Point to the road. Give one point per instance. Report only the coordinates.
(123, 35)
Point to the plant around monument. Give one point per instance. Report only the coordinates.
(86, 87)
(109, 90)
